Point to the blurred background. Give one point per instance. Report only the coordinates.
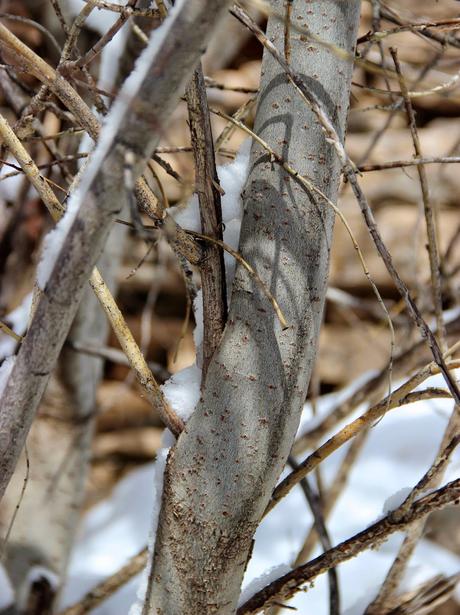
(150, 280)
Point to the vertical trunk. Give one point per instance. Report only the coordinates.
(132, 130)
(131, 133)
(59, 447)
(222, 471)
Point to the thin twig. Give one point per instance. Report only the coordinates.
(70, 98)
(395, 164)
(237, 256)
(317, 511)
(331, 496)
(206, 186)
(286, 586)
(114, 315)
(428, 209)
(400, 397)
(109, 586)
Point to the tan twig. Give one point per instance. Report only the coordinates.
(31, 22)
(60, 16)
(400, 397)
(213, 84)
(286, 586)
(71, 99)
(430, 480)
(316, 506)
(331, 496)
(393, 16)
(6, 329)
(108, 36)
(240, 114)
(120, 8)
(121, 330)
(395, 164)
(411, 306)
(109, 586)
(237, 256)
(403, 363)
(428, 209)
(287, 30)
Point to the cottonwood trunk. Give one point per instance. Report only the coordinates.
(222, 471)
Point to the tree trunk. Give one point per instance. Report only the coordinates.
(222, 471)
(133, 129)
(59, 447)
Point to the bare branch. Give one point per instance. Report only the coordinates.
(206, 186)
(286, 586)
(130, 135)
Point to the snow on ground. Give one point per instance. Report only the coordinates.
(397, 453)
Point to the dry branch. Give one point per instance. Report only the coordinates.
(221, 472)
(132, 131)
(285, 587)
(207, 188)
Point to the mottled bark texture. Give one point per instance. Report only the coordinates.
(143, 108)
(222, 471)
(212, 268)
(59, 447)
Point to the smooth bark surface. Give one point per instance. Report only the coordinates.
(134, 130)
(222, 471)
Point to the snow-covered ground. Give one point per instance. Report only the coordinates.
(397, 453)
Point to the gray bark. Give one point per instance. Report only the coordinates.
(59, 447)
(143, 110)
(222, 471)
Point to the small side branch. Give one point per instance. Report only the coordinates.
(207, 187)
(286, 586)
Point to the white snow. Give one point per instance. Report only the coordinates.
(199, 324)
(397, 453)
(36, 573)
(160, 465)
(188, 216)
(110, 59)
(6, 590)
(115, 530)
(182, 391)
(394, 501)
(54, 241)
(10, 186)
(260, 582)
(232, 178)
(17, 320)
(5, 371)
(99, 20)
